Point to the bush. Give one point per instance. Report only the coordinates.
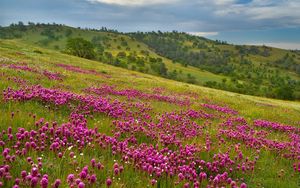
(38, 51)
(80, 47)
(285, 92)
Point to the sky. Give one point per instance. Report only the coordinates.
(270, 22)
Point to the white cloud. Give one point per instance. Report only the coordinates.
(134, 2)
(203, 34)
(260, 10)
(223, 2)
(283, 10)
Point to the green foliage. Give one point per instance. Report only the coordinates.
(160, 68)
(80, 47)
(49, 33)
(285, 92)
(191, 79)
(68, 32)
(256, 70)
(121, 55)
(38, 51)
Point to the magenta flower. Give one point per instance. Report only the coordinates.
(70, 178)
(93, 178)
(81, 185)
(186, 185)
(153, 182)
(116, 171)
(108, 182)
(243, 185)
(34, 182)
(57, 183)
(44, 182)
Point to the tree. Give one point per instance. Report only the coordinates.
(159, 68)
(191, 79)
(121, 55)
(80, 47)
(285, 92)
(21, 26)
(68, 32)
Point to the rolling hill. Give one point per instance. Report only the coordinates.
(253, 70)
(68, 121)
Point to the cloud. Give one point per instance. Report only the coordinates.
(223, 2)
(133, 2)
(203, 34)
(204, 15)
(209, 18)
(266, 11)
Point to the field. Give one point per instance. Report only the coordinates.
(72, 122)
(252, 70)
(112, 42)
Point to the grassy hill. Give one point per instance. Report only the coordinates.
(253, 70)
(71, 121)
(109, 41)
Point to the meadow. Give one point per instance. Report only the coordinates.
(252, 70)
(72, 122)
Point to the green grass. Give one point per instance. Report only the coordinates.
(14, 51)
(33, 37)
(261, 72)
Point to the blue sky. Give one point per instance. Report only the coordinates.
(270, 22)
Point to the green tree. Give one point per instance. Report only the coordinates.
(68, 32)
(285, 92)
(80, 47)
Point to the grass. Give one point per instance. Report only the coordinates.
(266, 171)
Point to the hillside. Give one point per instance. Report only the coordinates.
(68, 121)
(253, 70)
(109, 46)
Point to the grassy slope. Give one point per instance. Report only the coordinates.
(33, 36)
(260, 63)
(267, 168)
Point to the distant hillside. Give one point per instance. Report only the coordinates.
(254, 70)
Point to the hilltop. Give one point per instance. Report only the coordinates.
(253, 70)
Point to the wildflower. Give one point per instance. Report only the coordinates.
(243, 185)
(186, 185)
(108, 182)
(34, 182)
(57, 183)
(70, 178)
(34, 171)
(93, 178)
(81, 185)
(44, 182)
(153, 182)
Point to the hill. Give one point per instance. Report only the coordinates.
(68, 121)
(111, 47)
(253, 70)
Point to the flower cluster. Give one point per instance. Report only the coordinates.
(174, 146)
(81, 70)
(225, 110)
(275, 126)
(46, 73)
(133, 93)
